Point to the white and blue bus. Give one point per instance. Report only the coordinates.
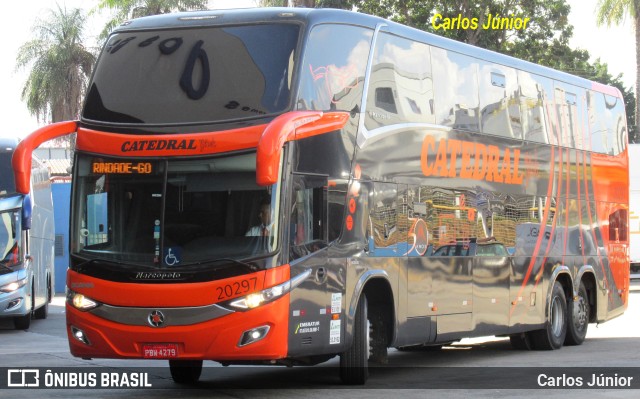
(26, 242)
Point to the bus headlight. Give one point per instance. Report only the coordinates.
(80, 301)
(265, 296)
(11, 287)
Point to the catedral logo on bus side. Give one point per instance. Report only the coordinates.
(477, 161)
(158, 145)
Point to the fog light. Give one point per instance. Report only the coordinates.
(253, 335)
(80, 335)
(14, 304)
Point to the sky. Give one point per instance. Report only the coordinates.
(614, 45)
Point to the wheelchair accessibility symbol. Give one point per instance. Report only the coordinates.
(172, 256)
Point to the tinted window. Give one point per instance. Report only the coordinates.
(499, 108)
(332, 74)
(607, 124)
(401, 83)
(569, 107)
(171, 213)
(193, 75)
(456, 87)
(536, 102)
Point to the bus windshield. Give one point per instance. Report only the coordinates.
(192, 76)
(172, 213)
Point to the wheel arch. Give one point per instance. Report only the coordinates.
(587, 275)
(376, 286)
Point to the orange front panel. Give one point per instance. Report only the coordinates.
(611, 191)
(212, 340)
(174, 294)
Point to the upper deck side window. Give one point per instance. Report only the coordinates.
(186, 76)
(607, 124)
(333, 68)
(537, 111)
(570, 113)
(401, 83)
(499, 107)
(456, 88)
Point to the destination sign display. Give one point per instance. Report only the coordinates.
(122, 168)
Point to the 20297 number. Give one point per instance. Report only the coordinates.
(237, 288)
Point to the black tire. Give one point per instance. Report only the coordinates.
(24, 322)
(553, 335)
(578, 313)
(521, 341)
(354, 367)
(185, 371)
(42, 312)
(378, 339)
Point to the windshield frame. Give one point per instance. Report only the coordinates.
(119, 260)
(293, 67)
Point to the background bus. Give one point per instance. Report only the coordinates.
(26, 242)
(419, 191)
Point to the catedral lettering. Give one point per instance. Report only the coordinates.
(240, 237)
(469, 160)
(158, 145)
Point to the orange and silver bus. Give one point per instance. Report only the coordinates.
(283, 186)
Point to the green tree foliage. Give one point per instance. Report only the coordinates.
(613, 12)
(127, 9)
(60, 66)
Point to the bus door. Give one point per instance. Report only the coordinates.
(316, 304)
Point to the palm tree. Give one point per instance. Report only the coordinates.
(612, 12)
(60, 66)
(127, 9)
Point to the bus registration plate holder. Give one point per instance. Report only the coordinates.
(160, 351)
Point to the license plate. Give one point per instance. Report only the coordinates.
(159, 351)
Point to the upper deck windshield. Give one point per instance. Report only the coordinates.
(194, 75)
(172, 213)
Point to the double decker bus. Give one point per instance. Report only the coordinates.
(283, 186)
(26, 241)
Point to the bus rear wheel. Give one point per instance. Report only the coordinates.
(552, 336)
(354, 367)
(185, 371)
(577, 317)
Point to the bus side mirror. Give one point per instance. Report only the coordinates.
(288, 127)
(26, 212)
(21, 161)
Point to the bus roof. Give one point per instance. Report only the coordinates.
(311, 16)
(8, 143)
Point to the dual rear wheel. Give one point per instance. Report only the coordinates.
(567, 323)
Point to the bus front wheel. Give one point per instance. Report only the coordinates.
(354, 368)
(185, 371)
